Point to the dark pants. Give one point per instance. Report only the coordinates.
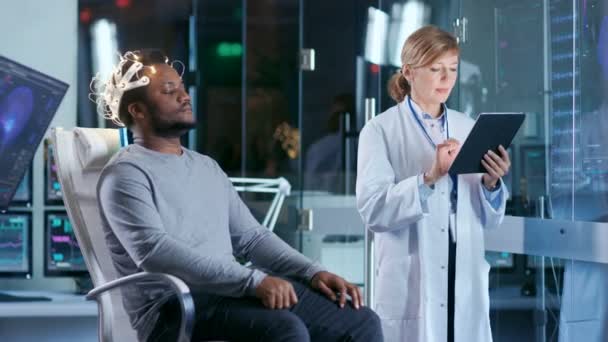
(451, 287)
(313, 318)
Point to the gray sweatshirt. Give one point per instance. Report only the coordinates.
(181, 215)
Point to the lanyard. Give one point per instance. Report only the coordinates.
(421, 125)
(454, 178)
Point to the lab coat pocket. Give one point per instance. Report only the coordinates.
(398, 294)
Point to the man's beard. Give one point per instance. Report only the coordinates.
(169, 128)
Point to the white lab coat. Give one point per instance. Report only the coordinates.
(411, 244)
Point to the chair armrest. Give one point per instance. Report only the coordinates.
(182, 290)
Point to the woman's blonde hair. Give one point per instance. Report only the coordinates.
(420, 49)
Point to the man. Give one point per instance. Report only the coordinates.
(168, 209)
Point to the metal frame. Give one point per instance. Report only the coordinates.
(368, 253)
(577, 240)
(278, 186)
(183, 295)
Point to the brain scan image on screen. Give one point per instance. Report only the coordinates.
(29, 100)
(15, 112)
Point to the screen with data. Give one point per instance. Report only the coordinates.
(63, 256)
(15, 244)
(28, 102)
(52, 188)
(579, 118)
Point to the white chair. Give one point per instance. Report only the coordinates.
(80, 155)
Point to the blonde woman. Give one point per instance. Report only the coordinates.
(431, 274)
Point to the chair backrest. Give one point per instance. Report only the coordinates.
(80, 155)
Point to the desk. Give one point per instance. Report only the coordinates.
(66, 318)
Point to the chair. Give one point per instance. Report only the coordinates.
(80, 155)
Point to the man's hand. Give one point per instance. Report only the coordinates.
(496, 167)
(329, 283)
(276, 293)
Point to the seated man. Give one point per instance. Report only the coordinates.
(169, 209)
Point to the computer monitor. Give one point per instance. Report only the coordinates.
(500, 260)
(16, 244)
(62, 253)
(52, 188)
(28, 102)
(23, 195)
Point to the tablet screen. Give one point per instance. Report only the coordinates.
(490, 131)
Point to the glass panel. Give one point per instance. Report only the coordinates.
(271, 90)
(357, 49)
(106, 27)
(219, 83)
(271, 134)
(585, 299)
(591, 120)
(524, 64)
(404, 18)
(563, 114)
(503, 70)
(261, 116)
(332, 112)
(547, 59)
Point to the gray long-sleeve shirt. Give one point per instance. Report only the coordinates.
(181, 215)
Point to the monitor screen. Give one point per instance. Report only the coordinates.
(500, 259)
(28, 102)
(62, 253)
(15, 244)
(23, 195)
(52, 187)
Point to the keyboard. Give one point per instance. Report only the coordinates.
(4, 297)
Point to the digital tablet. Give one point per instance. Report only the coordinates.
(490, 131)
